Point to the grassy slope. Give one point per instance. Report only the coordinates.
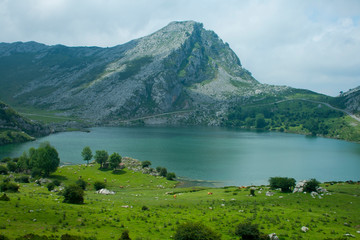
(105, 218)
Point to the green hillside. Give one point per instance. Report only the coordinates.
(145, 205)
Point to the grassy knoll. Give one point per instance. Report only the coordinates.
(36, 210)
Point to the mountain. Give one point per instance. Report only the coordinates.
(15, 128)
(181, 67)
(351, 100)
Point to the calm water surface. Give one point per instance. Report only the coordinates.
(217, 155)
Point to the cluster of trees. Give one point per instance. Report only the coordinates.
(287, 184)
(39, 162)
(160, 170)
(102, 157)
(306, 115)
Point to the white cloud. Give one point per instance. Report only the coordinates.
(306, 44)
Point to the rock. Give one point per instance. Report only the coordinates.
(105, 192)
(304, 229)
(349, 235)
(314, 194)
(269, 194)
(272, 236)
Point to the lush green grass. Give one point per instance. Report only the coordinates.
(105, 217)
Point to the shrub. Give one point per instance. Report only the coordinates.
(247, 231)
(144, 208)
(284, 183)
(162, 171)
(4, 197)
(32, 236)
(73, 194)
(3, 170)
(5, 159)
(11, 166)
(81, 183)
(99, 185)
(125, 235)
(311, 185)
(22, 179)
(145, 164)
(9, 187)
(50, 186)
(57, 182)
(252, 192)
(3, 237)
(195, 230)
(170, 176)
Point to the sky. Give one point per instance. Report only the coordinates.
(311, 44)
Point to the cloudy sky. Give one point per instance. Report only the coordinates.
(305, 43)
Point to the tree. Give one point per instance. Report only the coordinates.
(73, 194)
(23, 163)
(87, 154)
(162, 171)
(81, 183)
(311, 185)
(101, 157)
(11, 166)
(260, 121)
(284, 183)
(3, 170)
(170, 176)
(195, 231)
(115, 160)
(45, 158)
(145, 164)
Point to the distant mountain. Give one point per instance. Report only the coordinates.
(181, 74)
(180, 67)
(15, 128)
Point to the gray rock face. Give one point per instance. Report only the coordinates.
(180, 67)
(352, 100)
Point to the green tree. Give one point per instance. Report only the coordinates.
(170, 176)
(81, 183)
(101, 157)
(11, 166)
(311, 185)
(260, 121)
(163, 172)
(145, 164)
(73, 194)
(3, 170)
(45, 158)
(87, 154)
(115, 160)
(195, 231)
(284, 183)
(125, 235)
(23, 163)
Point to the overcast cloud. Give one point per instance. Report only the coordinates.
(305, 44)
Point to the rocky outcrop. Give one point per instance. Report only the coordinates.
(15, 129)
(352, 100)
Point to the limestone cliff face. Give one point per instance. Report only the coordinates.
(181, 66)
(352, 100)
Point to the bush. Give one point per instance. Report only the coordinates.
(125, 235)
(4, 197)
(32, 236)
(162, 171)
(9, 187)
(99, 185)
(284, 183)
(170, 176)
(11, 166)
(5, 159)
(3, 170)
(145, 164)
(247, 231)
(81, 183)
(22, 179)
(73, 194)
(51, 186)
(57, 182)
(194, 231)
(144, 208)
(311, 185)
(252, 192)
(3, 237)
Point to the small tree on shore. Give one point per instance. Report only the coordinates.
(87, 154)
(101, 157)
(115, 160)
(284, 183)
(45, 159)
(145, 164)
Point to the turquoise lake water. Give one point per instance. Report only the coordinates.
(217, 156)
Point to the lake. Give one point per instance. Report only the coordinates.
(213, 156)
